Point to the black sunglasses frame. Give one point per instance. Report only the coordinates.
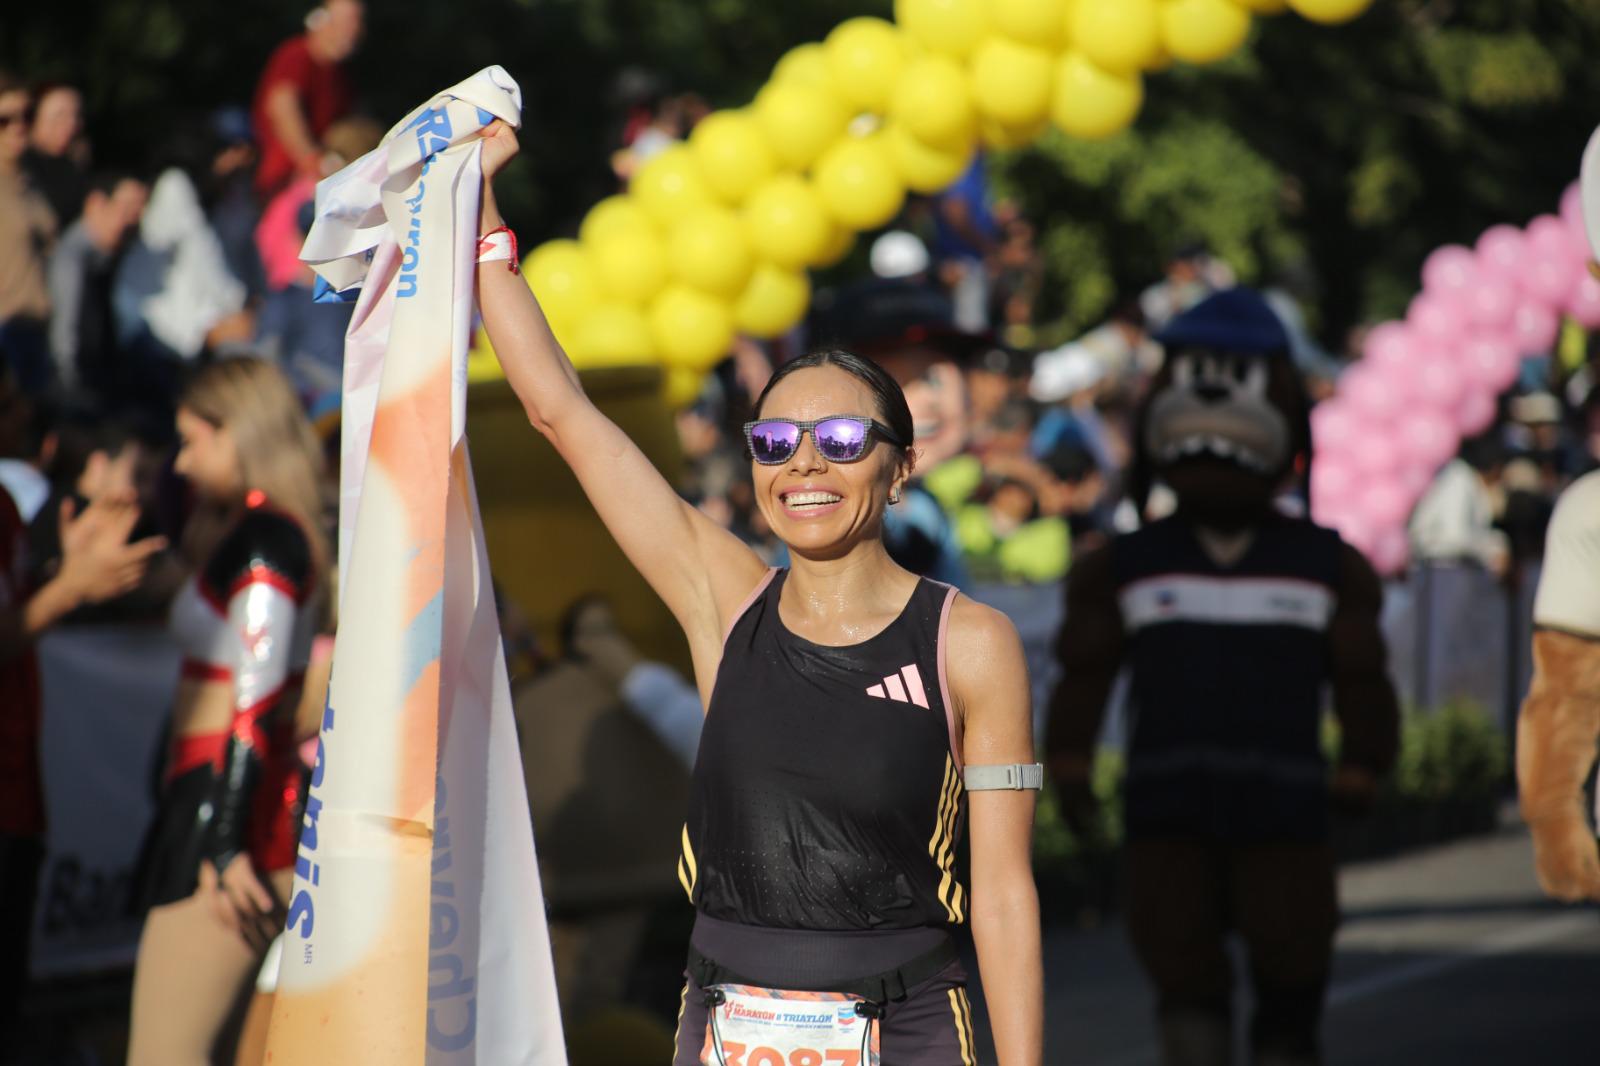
(871, 425)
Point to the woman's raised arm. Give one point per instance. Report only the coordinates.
(700, 570)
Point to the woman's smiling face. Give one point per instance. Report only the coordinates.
(822, 509)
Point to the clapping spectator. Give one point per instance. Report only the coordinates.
(97, 563)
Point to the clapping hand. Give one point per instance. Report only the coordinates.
(97, 561)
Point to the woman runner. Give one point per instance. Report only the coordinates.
(847, 702)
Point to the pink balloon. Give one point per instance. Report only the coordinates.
(1356, 529)
(1333, 485)
(1550, 236)
(1550, 281)
(1450, 270)
(1334, 425)
(1388, 343)
(1585, 305)
(1427, 438)
(1490, 362)
(1475, 413)
(1432, 382)
(1533, 328)
(1554, 262)
(1501, 251)
(1435, 317)
(1572, 214)
(1371, 393)
(1415, 477)
(1491, 302)
(1384, 502)
(1372, 454)
(1389, 552)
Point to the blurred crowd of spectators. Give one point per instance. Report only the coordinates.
(115, 275)
(1022, 450)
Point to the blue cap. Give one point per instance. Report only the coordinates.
(1234, 320)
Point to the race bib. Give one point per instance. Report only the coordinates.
(751, 1026)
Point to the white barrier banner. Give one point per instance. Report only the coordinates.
(107, 691)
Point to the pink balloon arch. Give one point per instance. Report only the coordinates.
(1429, 380)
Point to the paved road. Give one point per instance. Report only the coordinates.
(1448, 956)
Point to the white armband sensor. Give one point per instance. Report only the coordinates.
(1012, 776)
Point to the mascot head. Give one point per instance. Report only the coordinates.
(1226, 422)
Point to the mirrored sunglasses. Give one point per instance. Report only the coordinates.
(838, 438)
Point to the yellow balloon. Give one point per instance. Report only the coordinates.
(1092, 103)
(1117, 35)
(805, 64)
(800, 120)
(612, 335)
(563, 278)
(786, 223)
(614, 215)
(669, 186)
(772, 302)
(839, 245)
(1041, 23)
(1203, 31)
(865, 55)
(681, 385)
(1274, 7)
(933, 99)
(691, 328)
(1011, 81)
(1329, 12)
(949, 26)
(998, 135)
(923, 167)
(707, 250)
(631, 264)
(858, 183)
(733, 154)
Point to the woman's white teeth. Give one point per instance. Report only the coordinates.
(811, 499)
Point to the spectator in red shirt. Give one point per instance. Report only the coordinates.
(302, 92)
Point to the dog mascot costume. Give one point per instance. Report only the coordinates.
(1560, 720)
(1233, 620)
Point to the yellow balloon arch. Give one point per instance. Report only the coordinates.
(714, 236)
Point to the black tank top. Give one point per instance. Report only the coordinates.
(826, 795)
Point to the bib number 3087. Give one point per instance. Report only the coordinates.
(749, 1026)
(736, 1054)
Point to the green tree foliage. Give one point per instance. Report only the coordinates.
(1331, 158)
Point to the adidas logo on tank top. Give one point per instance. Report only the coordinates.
(902, 687)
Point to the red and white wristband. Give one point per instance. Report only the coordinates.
(499, 243)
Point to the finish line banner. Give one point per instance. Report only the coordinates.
(416, 931)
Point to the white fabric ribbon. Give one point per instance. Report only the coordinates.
(416, 930)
